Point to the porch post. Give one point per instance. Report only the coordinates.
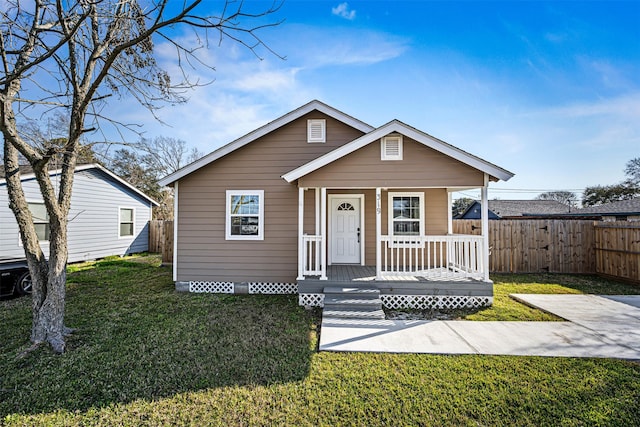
(317, 210)
(450, 215)
(378, 233)
(301, 260)
(323, 233)
(484, 215)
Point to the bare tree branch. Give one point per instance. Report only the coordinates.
(70, 58)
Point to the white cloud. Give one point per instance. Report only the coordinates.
(314, 47)
(342, 10)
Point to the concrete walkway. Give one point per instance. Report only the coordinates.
(596, 326)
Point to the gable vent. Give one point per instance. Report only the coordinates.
(391, 147)
(316, 130)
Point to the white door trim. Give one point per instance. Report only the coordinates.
(360, 197)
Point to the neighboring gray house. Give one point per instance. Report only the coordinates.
(517, 209)
(623, 210)
(108, 216)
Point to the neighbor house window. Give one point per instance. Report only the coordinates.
(126, 222)
(406, 216)
(40, 220)
(245, 215)
(391, 147)
(316, 130)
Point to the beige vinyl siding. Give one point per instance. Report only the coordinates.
(421, 167)
(203, 252)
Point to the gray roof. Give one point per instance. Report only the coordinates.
(509, 208)
(622, 207)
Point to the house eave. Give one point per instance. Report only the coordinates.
(260, 132)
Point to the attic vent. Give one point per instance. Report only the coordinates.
(316, 130)
(391, 147)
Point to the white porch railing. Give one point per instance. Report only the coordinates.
(311, 255)
(433, 257)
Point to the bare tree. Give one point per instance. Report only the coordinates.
(143, 163)
(565, 197)
(72, 56)
(632, 170)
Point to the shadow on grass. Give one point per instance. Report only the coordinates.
(139, 339)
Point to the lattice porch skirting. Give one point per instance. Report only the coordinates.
(419, 302)
(211, 287)
(253, 287)
(423, 302)
(273, 288)
(311, 300)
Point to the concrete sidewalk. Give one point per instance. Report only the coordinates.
(596, 327)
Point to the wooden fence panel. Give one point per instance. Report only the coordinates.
(617, 250)
(156, 236)
(161, 239)
(533, 246)
(167, 248)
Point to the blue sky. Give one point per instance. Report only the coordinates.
(547, 90)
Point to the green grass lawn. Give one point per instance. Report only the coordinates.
(146, 355)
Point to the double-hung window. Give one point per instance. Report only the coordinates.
(245, 215)
(406, 218)
(40, 220)
(126, 222)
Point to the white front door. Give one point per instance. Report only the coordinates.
(345, 231)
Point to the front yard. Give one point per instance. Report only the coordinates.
(146, 355)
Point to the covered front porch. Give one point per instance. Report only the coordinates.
(406, 253)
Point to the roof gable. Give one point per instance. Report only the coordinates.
(397, 126)
(261, 131)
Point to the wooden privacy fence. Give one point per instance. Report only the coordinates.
(161, 239)
(561, 246)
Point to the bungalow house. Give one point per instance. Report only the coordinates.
(517, 209)
(108, 216)
(317, 200)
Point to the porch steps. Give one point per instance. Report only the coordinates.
(352, 303)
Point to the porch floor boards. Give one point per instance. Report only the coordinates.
(366, 273)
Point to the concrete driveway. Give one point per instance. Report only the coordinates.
(596, 326)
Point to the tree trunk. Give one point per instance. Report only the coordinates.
(48, 277)
(48, 312)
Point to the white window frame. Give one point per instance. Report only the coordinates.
(36, 202)
(133, 213)
(383, 147)
(323, 125)
(228, 215)
(397, 241)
